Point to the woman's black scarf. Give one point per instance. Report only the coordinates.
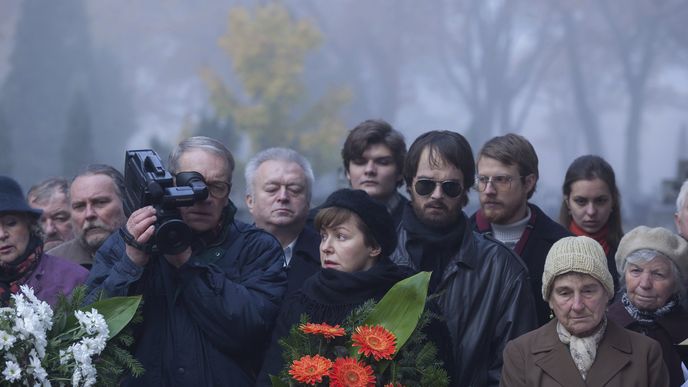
(330, 295)
(13, 274)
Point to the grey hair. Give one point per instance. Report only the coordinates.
(109, 171)
(41, 192)
(647, 255)
(278, 154)
(204, 143)
(681, 198)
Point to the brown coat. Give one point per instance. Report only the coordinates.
(624, 359)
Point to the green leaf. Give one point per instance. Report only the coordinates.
(277, 382)
(117, 312)
(400, 309)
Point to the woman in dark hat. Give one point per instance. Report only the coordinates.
(22, 261)
(357, 235)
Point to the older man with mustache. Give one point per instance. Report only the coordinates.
(481, 287)
(97, 211)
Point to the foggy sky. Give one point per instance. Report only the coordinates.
(161, 47)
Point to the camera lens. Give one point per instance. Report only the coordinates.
(173, 236)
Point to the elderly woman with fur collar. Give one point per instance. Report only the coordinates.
(580, 346)
(653, 263)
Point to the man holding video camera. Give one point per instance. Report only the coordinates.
(207, 310)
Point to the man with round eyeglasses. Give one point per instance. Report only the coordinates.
(481, 287)
(209, 310)
(507, 178)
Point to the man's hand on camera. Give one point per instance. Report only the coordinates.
(141, 226)
(177, 260)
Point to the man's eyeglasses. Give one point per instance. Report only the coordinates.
(499, 182)
(218, 189)
(450, 188)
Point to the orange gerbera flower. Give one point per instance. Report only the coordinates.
(349, 372)
(374, 340)
(310, 370)
(328, 331)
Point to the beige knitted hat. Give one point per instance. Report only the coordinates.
(660, 239)
(576, 254)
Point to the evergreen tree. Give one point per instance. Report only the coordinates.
(52, 60)
(77, 148)
(220, 129)
(5, 146)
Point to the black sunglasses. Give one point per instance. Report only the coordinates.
(450, 188)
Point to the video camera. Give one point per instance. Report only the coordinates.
(148, 183)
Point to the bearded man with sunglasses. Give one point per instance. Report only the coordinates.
(208, 311)
(481, 287)
(507, 178)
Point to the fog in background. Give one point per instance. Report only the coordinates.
(81, 82)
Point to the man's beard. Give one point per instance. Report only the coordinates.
(93, 242)
(446, 218)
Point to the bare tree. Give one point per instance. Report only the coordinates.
(493, 53)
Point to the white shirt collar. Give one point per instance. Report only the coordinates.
(289, 251)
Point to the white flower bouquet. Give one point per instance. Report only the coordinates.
(68, 346)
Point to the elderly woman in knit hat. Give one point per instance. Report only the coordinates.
(653, 263)
(357, 235)
(580, 346)
(22, 261)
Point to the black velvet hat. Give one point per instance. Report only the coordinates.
(373, 213)
(12, 199)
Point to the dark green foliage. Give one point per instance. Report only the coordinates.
(416, 364)
(5, 145)
(222, 129)
(77, 148)
(116, 360)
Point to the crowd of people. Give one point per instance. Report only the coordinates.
(521, 299)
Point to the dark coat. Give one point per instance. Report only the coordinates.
(669, 330)
(328, 297)
(624, 359)
(305, 260)
(205, 323)
(485, 298)
(74, 251)
(54, 276)
(544, 233)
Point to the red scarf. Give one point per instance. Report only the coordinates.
(14, 274)
(600, 236)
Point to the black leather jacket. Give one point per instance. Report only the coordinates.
(485, 298)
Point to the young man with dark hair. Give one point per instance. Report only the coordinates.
(373, 157)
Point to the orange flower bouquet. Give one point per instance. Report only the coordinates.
(378, 345)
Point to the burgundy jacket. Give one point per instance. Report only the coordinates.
(54, 276)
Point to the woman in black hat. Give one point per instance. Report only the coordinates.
(22, 261)
(357, 236)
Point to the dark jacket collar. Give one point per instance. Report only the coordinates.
(541, 225)
(307, 245)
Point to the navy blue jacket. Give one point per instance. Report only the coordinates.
(205, 323)
(305, 260)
